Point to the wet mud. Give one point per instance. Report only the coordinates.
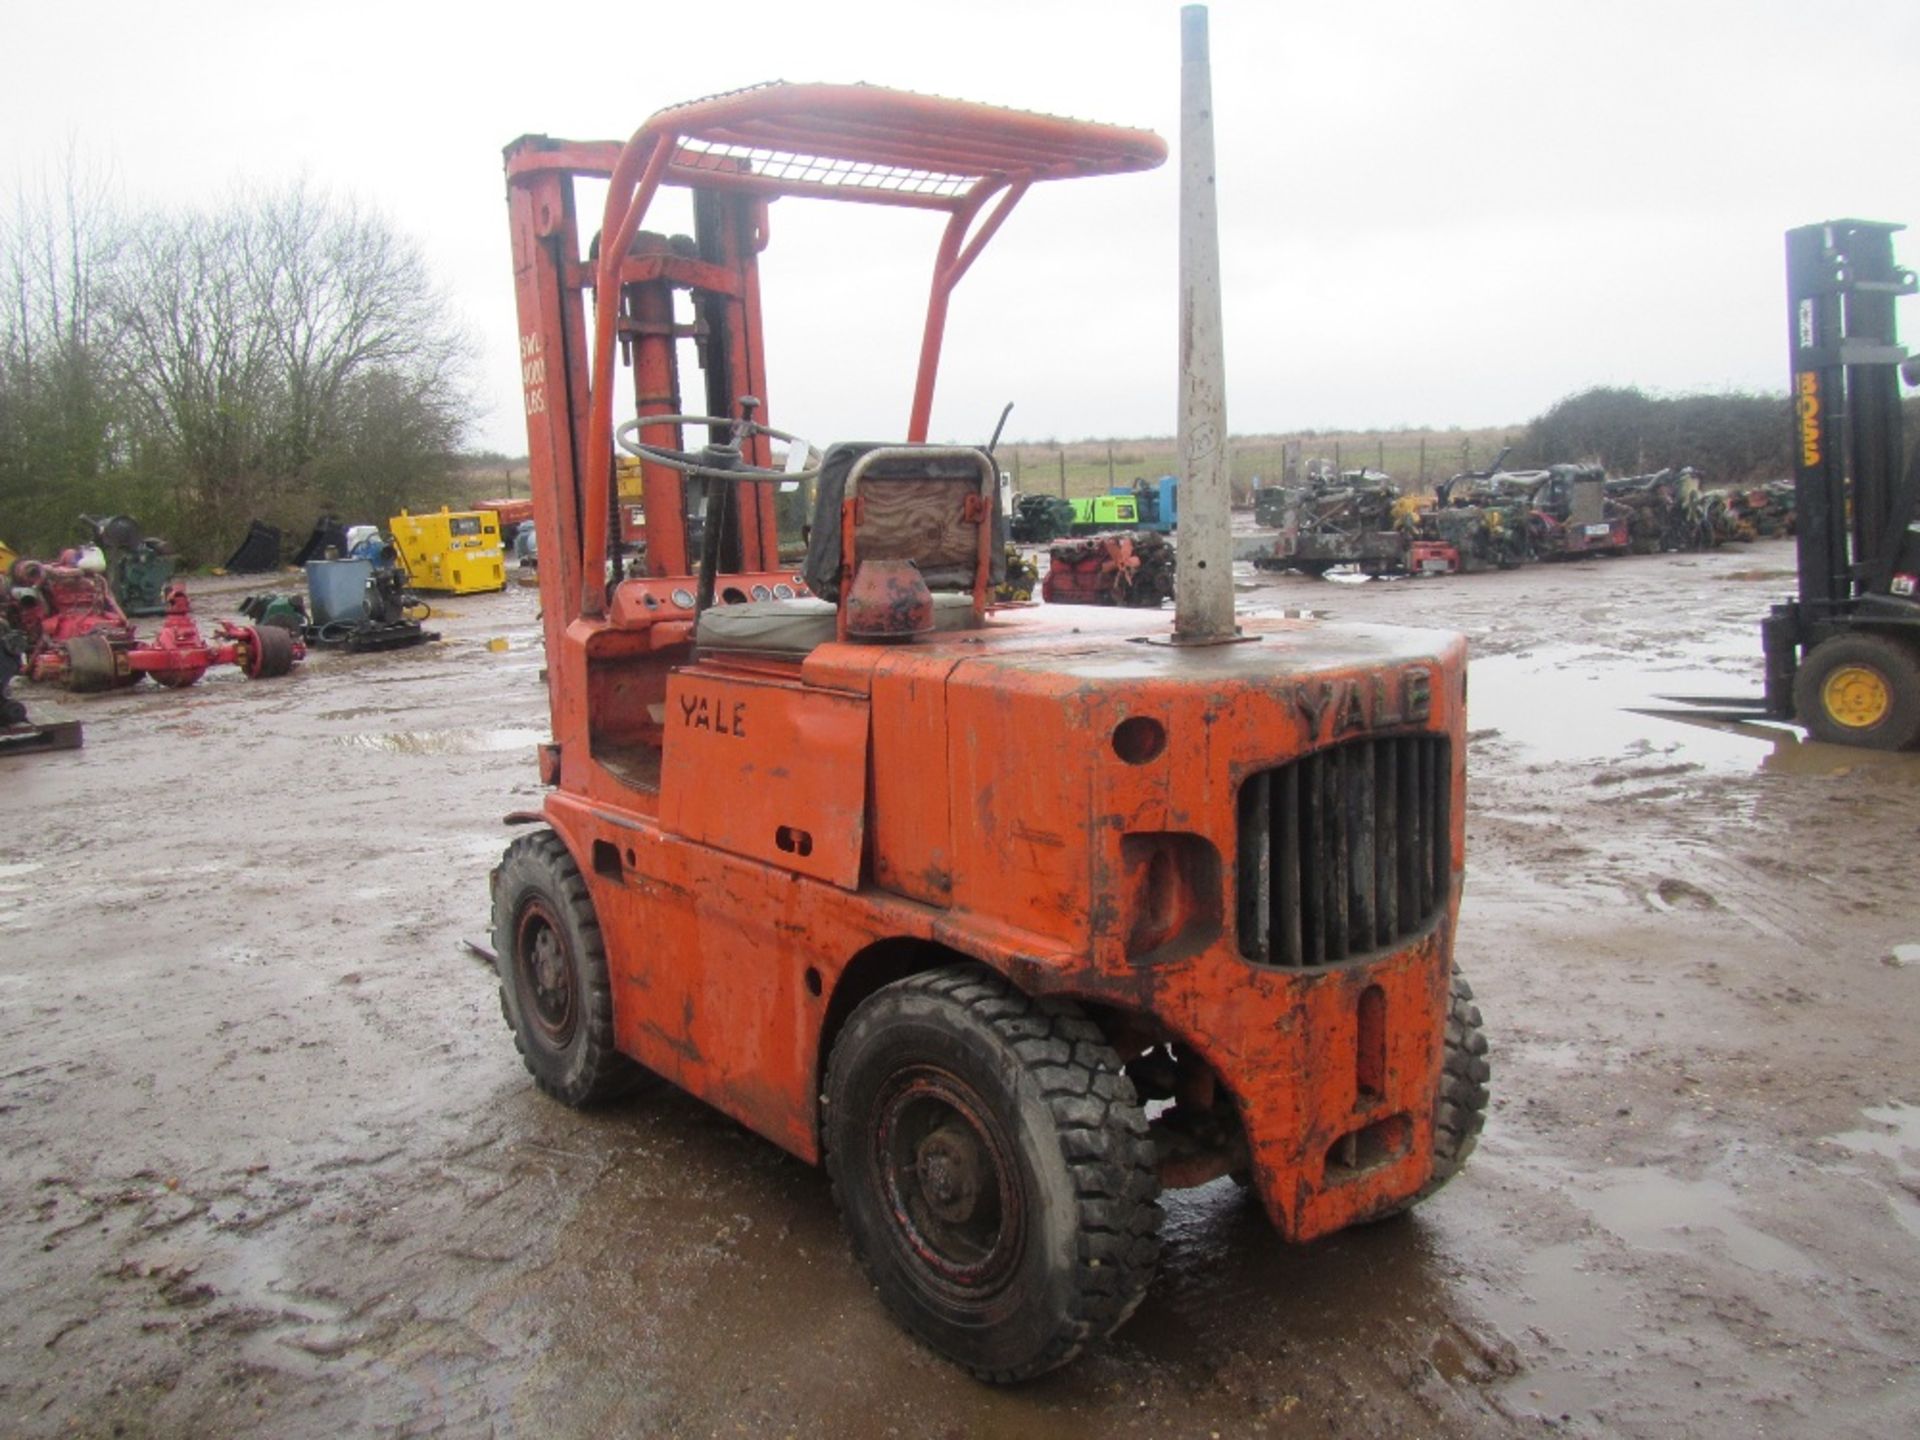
(270, 1166)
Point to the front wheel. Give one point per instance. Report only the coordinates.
(554, 990)
(1860, 690)
(992, 1164)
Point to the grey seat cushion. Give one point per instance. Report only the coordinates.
(793, 627)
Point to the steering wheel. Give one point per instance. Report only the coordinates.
(720, 462)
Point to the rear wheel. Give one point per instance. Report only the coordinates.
(1860, 690)
(992, 1164)
(552, 961)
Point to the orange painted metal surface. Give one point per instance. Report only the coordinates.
(1058, 795)
(795, 763)
(998, 826)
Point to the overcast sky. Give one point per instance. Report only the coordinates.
(1431, 214)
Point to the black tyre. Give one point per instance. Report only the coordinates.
(1860, 690)
(553, 974)
(1460, 1109)
(269, 652)
(992, 1165)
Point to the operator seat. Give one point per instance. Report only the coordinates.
(911, 514)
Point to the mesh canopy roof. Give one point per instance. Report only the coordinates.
(867, 142)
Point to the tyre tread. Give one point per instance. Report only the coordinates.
(1460, 1111)
(605, 1073)
(1104, 1143)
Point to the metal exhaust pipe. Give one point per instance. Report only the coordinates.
(1203, 604)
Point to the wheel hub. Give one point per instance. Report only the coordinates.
(951, 1183)
(949, 1170)
(1856, 697)
(548, 976)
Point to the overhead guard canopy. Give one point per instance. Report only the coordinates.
(865, 142)
(890, 146)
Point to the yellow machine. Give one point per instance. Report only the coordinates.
(6, 558)
(455, 552)
(633, 514)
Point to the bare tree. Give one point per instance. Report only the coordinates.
(251, 339)
(344, 297)
(262, 357)
(194, 362)
(57, 432)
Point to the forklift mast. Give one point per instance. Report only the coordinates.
(1855, 500)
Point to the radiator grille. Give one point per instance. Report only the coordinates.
(1343, 851)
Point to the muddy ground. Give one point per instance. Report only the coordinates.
(269, 1164)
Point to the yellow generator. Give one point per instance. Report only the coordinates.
(633, 515)
(455, 552)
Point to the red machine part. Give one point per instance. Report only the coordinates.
(179, 654)
(58, 602)
(507, 512)
(1103, 577)
(1433, 557)
(82, 640)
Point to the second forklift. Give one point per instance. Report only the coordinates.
(1843, 656)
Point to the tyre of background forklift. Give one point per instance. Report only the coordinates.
(1860, 690)
(91, 665)
(269, 652)
(1460, 1109)
(992, 1165)
(552, 962)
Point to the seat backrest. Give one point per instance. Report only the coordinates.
(912, 508)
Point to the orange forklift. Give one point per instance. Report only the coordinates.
(1011, 916)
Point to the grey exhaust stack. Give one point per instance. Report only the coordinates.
(1203, 602)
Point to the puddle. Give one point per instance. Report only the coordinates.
(24, 867)
(1789, 754)
(1894, 1136)
(1575, 1314)
(1583, 1323)
(1578, 706)
(1904, 955)
(1652, 1210)
(447, 742)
